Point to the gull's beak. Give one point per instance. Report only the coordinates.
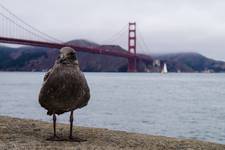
(61, 56)
(76, 62)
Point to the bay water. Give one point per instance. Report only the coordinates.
(183, 105)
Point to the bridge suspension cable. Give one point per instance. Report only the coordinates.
(8, 29)
(13, 26)
(117, 35)
(141, 42)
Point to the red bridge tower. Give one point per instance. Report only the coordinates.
(132, 46)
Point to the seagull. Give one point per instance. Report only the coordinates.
(64, 88)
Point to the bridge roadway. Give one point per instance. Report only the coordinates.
(77, 48)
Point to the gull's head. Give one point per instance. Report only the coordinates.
(68, 53)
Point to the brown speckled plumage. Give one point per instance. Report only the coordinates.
(65, 87)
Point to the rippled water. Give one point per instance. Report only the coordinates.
(177, 105)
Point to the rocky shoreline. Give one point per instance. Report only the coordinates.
(30, 134)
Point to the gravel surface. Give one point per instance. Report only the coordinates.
(16, 134)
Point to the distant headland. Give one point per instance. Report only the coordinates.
(41, 59)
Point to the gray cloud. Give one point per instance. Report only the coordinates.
(166, 25)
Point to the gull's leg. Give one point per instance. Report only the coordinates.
(54, 137)
(73, 139)
(71, 125)
(54, 125)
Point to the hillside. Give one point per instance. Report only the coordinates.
(41, 59)
(191, 62)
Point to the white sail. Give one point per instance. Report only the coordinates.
(164, 70)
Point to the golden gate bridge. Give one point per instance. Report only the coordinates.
(13, 30)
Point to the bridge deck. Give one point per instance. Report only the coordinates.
(78, 48)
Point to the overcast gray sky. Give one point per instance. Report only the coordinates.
(165, 25)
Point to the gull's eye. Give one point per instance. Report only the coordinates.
(75, 56)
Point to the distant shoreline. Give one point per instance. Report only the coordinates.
(30, 134)
(126, 72)
(41, 59)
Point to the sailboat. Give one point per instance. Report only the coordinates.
(164, 69)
